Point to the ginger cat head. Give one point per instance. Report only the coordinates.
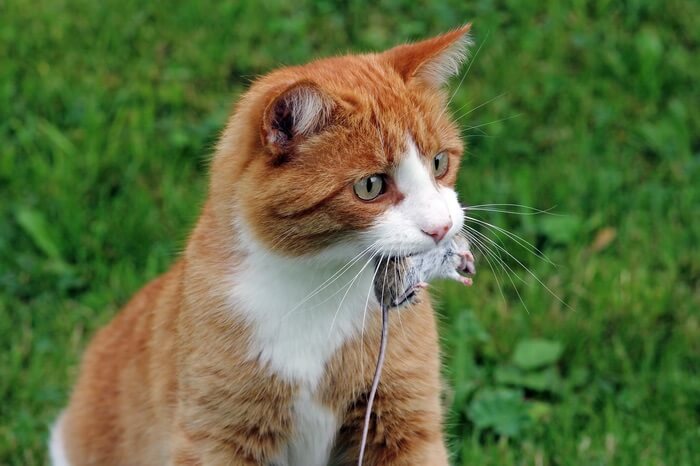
(346, 153)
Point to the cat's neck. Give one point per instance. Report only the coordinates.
(301, 310)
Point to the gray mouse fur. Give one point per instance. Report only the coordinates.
(398, 279)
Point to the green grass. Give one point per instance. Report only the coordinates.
(108, 111)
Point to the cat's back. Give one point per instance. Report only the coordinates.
(124, 396)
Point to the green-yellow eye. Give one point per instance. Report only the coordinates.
(370, 187)
(440, 164)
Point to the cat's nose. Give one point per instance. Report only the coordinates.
(439, 232)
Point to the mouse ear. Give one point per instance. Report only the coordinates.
(295, 113)
(431, 61)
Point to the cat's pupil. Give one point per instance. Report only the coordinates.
(369, 188)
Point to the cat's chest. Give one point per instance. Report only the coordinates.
(319, 413)
(300, 319)
(300, 316)
(313, 434)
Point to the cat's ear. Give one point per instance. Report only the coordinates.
(432, 61)
(296, 112)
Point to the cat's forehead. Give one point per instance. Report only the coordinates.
(389, 113)
(375, 112)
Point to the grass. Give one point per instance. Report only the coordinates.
(108, 111)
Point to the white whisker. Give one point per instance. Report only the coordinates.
(499, 260)
(552, 293)
(522, 242)
(493, 122)
(401, 277)
(533, 210)
(503, 211)
(349, 287)
(464, 76)
(364, 316)
(477, 107)
(330, 280)
(480, 248)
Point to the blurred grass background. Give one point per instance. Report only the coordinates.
(108, 111)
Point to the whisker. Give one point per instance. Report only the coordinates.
(401, 277)
(280, 239)
(552, 293)
(522, 242)
(499, 260)
(464, 76)
(506, 269)
(335, 293)
(499, 248)
(364, 316)
(349, 287)
(477, 107)
(493, 122)
(503, 211)
(488, 261)
(330, 280)
(534, 210)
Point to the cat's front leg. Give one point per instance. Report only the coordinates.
(410, 444)
(223, 418)
(189, 451)
(205, 450)
(394, 441)
(406, 422)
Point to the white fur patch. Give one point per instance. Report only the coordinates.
(309, 109)
(426, 205)
(443, 66)
(57, 451)
(315, 431)
(301, 312)
(301, 309)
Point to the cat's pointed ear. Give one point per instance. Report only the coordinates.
(295, 112)
(432, 61)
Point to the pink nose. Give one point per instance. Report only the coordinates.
(438, 233)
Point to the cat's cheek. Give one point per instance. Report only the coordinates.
(455, 208)
(395, 232)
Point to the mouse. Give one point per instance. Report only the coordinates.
(399, 279)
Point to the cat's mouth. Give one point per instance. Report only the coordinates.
(429, 248)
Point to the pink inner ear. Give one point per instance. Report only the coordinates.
(433, 61)
(281, 124)
(300, 110)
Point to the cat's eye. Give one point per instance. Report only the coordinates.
(440, 164)
(370, 187)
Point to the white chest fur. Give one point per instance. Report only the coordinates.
(301, 312)
(315, 431)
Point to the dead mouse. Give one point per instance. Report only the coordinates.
(397, 282)
(398, 279)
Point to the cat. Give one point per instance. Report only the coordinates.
(257, 346)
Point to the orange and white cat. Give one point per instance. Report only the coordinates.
(257, 347)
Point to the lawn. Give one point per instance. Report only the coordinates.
(109, 111)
